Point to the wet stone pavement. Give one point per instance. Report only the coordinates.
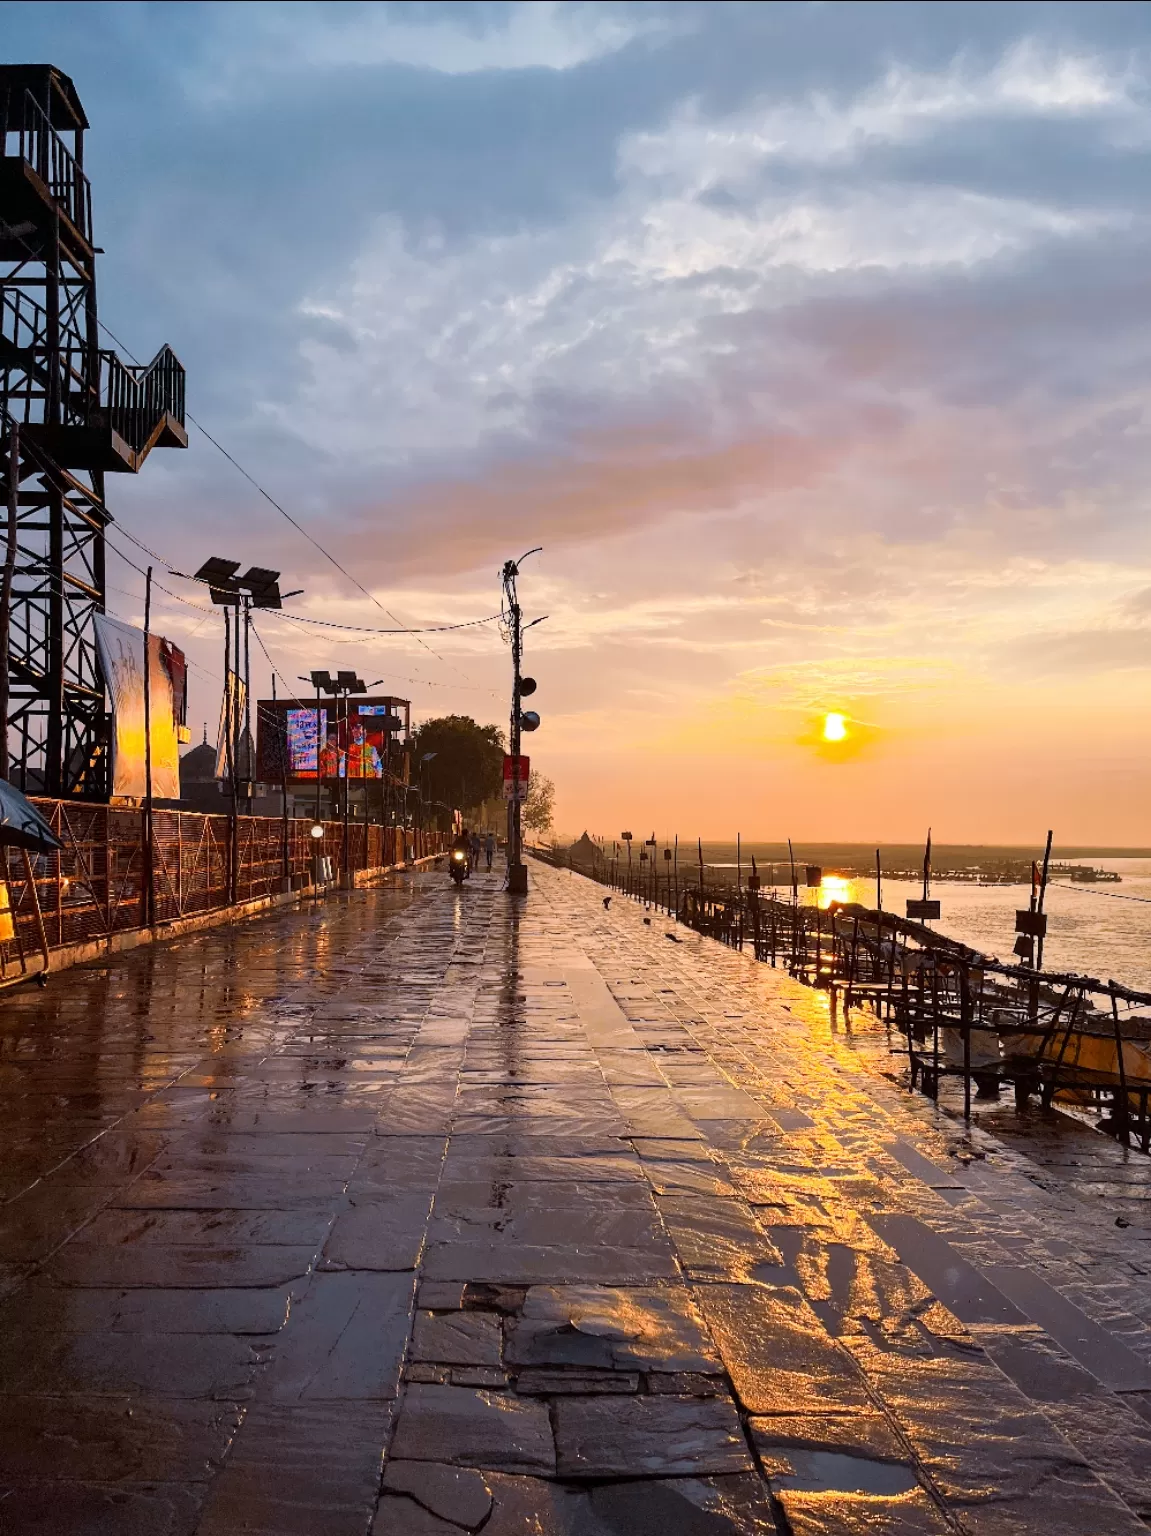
(421, 1212)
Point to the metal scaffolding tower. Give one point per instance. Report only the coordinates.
(81, 413)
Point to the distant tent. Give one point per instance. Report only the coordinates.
(585, 851)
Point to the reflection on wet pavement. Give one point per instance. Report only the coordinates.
(419, 1211)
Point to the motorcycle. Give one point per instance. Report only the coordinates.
(458, 865)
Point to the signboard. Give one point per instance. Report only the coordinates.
(1034, 924)
(121, 649)
(814, 877)
(516, 772)
(339, 739)
(922, 911)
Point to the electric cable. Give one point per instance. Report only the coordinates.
(299, 527)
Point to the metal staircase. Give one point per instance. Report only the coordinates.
(82, 412)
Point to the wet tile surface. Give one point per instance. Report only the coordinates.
(421, 1211)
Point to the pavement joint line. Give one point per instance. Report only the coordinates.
(640, 1137)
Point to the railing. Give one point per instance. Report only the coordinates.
(137, 397)
(97, 884)
(38, 143)
(961, 1013)
(133, 399)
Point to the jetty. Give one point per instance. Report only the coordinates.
(420, 1210)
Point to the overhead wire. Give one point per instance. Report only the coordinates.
(298, 526)
(1110, 895)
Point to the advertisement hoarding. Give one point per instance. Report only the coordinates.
(339, 739)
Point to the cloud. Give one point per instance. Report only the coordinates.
(1081, 651)
(249, 43)
(810, 342)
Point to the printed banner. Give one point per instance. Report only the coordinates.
(517, 770)
(121, 648)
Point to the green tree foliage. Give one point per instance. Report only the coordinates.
(468, 766)
(539, 806)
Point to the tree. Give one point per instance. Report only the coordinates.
(468, 764)
(539, 806)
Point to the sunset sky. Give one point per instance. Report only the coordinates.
(812, 342)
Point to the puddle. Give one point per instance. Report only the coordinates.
(833, 1472)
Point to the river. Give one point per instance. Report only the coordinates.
(1098, 930)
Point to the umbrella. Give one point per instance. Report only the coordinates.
(21, 824)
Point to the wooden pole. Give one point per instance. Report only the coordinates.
(1122, 1106)
(1042, 894)
(36, 907)
(147, 916)
(230, 753)
(878, 882)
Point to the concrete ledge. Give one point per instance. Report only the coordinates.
(68, 955)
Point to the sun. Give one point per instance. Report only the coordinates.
(834, 728)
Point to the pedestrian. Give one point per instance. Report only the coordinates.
(490, 848)
(475, 850)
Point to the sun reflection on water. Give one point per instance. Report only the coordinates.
(836, 888)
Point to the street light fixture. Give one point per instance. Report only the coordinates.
(258, 587)
(340, 687)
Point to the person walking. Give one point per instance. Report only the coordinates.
(475, 850)
(490, 848)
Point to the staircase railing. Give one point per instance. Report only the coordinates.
(137, 397)
(38, 143)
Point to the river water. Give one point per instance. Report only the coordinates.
(1098, 930)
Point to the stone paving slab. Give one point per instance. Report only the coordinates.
(425, 1210)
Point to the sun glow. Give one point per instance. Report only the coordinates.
(834, 728)
(835, 888)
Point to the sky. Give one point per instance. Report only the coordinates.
(811, 343)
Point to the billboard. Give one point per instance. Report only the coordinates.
(337, 739)
(121, 648)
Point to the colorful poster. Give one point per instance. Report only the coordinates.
(302, 741)
(517, 771)
(121, 649)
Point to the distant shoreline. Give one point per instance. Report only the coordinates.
(940, 852)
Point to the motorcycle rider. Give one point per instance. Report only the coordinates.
(462, 843)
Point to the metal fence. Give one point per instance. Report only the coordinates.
(105, 879)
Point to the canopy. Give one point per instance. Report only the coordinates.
(21, 824)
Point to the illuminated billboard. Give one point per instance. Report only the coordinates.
(344, 739)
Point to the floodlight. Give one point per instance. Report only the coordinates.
(317, 830)
(263, 584)
(217, 572)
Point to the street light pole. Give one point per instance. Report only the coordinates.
(521, 686)
(517, 869)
